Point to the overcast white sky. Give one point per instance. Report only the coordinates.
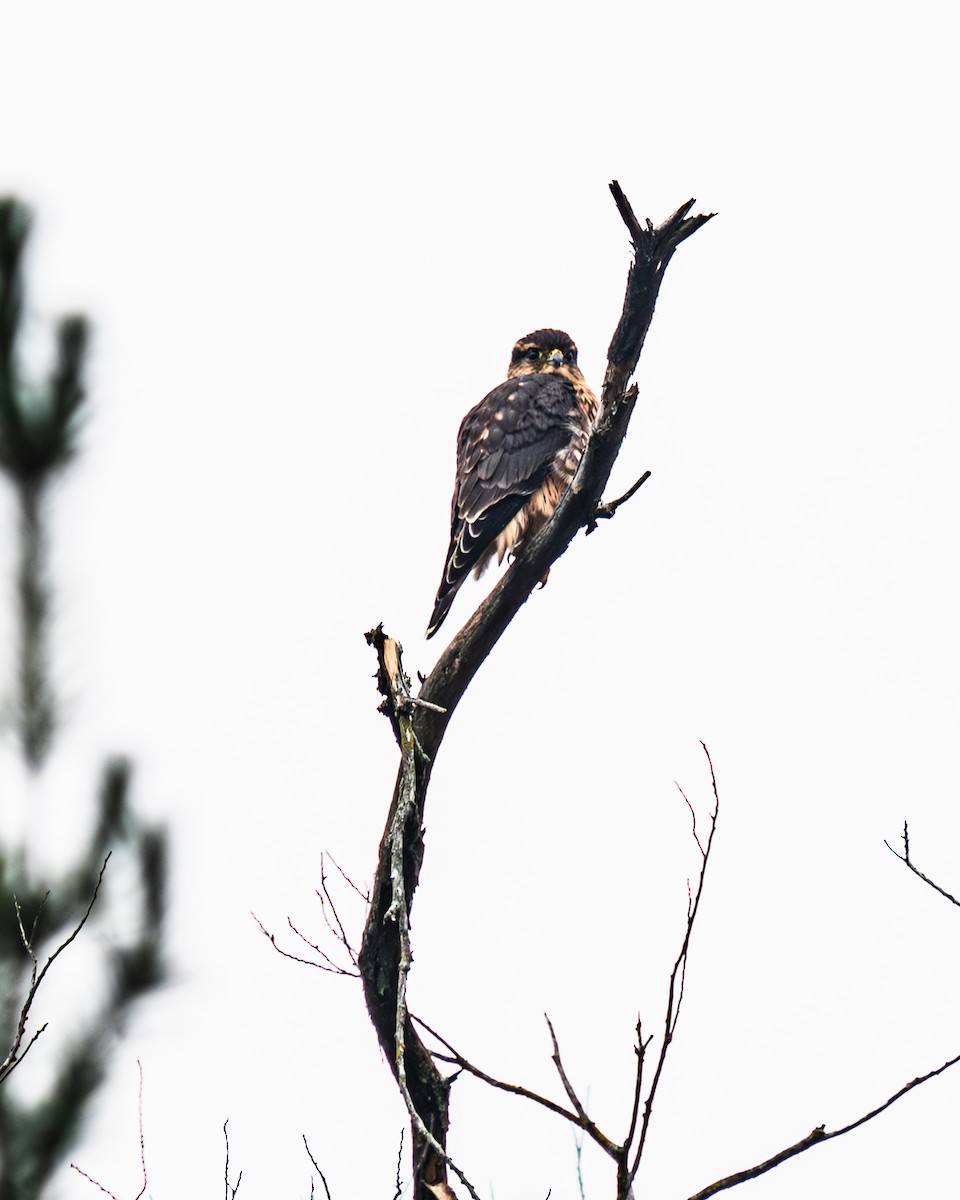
(307, 239)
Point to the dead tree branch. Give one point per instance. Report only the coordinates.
(419, 722)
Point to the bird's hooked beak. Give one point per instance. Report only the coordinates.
(556, 358)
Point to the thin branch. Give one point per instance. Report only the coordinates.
(364, 896)
(316, 1167)
(323, 954)
(229, 1189)
(585, 1123)
(678, 974)
(641, 1052)
(693, 817)
(96, 1182)
(332, 920)
(604, 512)
(143, 1146)
(514, 1089)
(905, 858)
(397, 1182)
(328, 965)
(336, 927)
(817, 1137)
(37, 976)
(143, 1149)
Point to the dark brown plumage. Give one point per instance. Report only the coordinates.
(517, 452)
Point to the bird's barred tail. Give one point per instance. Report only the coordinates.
(442, 607)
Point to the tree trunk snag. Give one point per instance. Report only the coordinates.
(420, 722)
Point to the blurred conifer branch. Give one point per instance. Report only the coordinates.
(41, 917)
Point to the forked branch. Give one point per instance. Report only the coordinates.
(908, 861)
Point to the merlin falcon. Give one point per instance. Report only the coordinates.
(517, 453)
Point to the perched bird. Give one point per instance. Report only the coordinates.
(517, 452)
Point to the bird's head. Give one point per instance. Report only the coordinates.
(544, 351)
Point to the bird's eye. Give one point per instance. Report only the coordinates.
(531, 355)
(570, 357)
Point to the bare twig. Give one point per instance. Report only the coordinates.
(37, 975)
(817, 1137)
(328, 964)
(693, 816)
(333, 921)
(316, 1167)
(364, 896)
(641, 1051)
(604, 512)
(584, 1122)
(229, 1189)
(397, 1181)
(905, 858)
(323, 954)
(96, 1182)
(143, 1146)
(678, 974)
(143, 1150)
(335, 925)
(514, 1089)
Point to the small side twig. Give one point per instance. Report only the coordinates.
(229, 1189)
(603, 512)
(316, 1167)
(330, 914)
(640, 1050)
(96, 1182)
(907, 861)
(328, 964)
(397, 1181)
(333, 921)
(364, 896)
(585, 1123)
